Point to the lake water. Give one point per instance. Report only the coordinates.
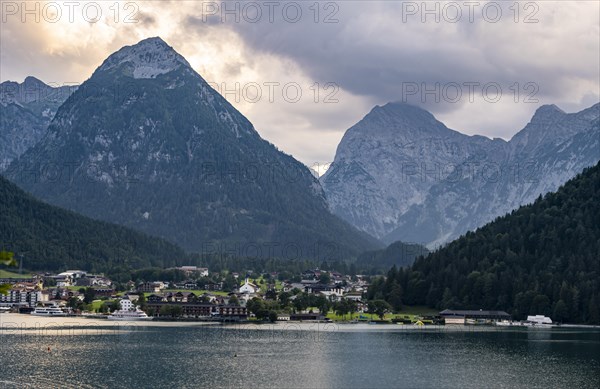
(86, 353)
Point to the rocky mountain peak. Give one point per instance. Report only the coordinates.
(547, 112)
(402, 119)
(400, 174)
(148, 58)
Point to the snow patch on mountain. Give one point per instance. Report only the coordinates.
(149, 58)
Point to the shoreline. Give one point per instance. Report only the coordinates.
(14, 324)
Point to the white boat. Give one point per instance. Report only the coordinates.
(504, 323)
(538, 321)
(4, 309)
(48, 311)
(128, 312)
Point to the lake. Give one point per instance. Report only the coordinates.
(83, 353)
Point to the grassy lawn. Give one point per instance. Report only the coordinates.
(411, 312)
(96, 304)
(263, 287)
(196, 292)
(8, 274)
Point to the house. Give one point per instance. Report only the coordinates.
(214, 286)
(149, 287)
(334, 294)
(104, 292)
(93, 280)
(180, 297)
(286, 287)
(155, 298)
(232, 312)
(316, 288)
(63, 280)
(188, 270)
(451, 316)
(354, 296)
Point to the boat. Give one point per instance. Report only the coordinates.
(128, 312)
(48, 311)
(504, 323)
(4, 309)
(538, 321)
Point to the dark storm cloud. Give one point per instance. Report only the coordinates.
(376, 50)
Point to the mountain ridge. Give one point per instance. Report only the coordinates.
(169, 156)
(436, 183)
(26, 110)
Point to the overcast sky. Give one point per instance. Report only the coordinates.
(361, 53)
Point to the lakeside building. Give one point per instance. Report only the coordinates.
(200, 310)
(461, 316)
(306, 316)
(20, 297)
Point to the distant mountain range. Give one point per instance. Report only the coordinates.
(400, 174)
(51, 238)
(26, 109)
(146, 143)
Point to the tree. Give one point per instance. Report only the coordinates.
(271, 294)
(594, 311)
(300, 302)
(255, 305)
(561, 312)
(345, 306)
(115, 305)
(395, 297)
(88, 295)
(171, 310)
(325, 278)
(75, 304)
(6, 258)
(233, 300)
(272, 316)
(284, 299)
(540, 305)
(141, 302)
(323, 304)
(378, 307)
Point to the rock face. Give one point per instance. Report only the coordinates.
(146, 143)
(400, 174)
(26, 109)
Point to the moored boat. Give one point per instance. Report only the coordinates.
(48, 311)
(128, 312)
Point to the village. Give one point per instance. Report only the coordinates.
(200, 295)
(314, 295)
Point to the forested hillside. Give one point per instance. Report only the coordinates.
(51, 238)
(543, 258)
(396, 254)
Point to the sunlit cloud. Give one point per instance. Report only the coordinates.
(369, 51)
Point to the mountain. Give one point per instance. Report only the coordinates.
(52, 238)
(145, 142)
(397, 254)
(400, 174)
(539, 259)
(26, 109)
